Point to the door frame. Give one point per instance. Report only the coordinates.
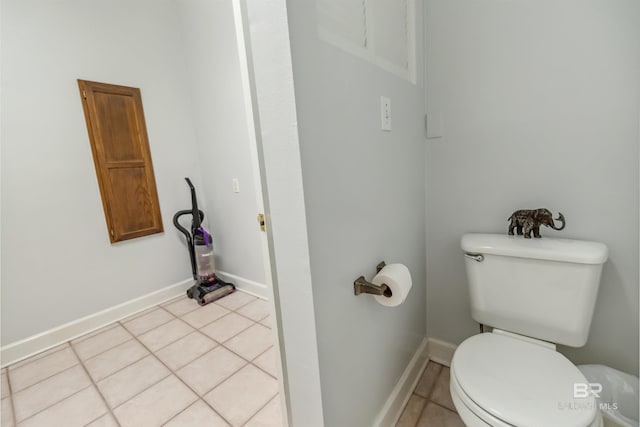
(265, 60)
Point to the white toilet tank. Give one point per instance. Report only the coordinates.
(543, 288)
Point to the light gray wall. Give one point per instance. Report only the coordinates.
(222, 139)
(364, 201)
(57, 262)
(540, 103)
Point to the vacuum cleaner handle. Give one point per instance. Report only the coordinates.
(179, 226)
(197, 222)
(187, 235)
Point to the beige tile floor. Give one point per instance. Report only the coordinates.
(176, 364)
(430, 405)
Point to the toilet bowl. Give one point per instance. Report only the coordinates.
(501, 380)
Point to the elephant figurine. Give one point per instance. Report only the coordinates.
(526, 221)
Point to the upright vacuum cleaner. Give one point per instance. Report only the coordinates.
(207, 287)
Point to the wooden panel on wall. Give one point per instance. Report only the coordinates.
(120, 147)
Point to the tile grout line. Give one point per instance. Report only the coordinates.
(238, 354)
(218, 385)
(94, 333)
(263, 370)
(240, 306)
(427, 399)
(190, 388)
(178, 299)
(138, 314)
(429, 395)
(249, 362)
(13, 408)
(52, 405)
(171, 342)
(261, 408)
(221, 344)
(171, 372)
(182, 411)
(109, 411)
(253, 320)
(444, 407)
(216, 345)
(120, 323)
(231, 337)
(89, 335)
(115, 325)
(120, 369)
(229, 311)
(103, 352)
(433, 386)
(96, 419)
(150, 353)
(44, 379)
(142, 391)
(78, 363)
(107, 350)
(424, 407)
(189, 406)
(221, 381)
(40, 355)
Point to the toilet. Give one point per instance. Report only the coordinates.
(534, 294)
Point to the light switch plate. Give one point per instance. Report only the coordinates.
(434, 125)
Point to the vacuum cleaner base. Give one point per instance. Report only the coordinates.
(206, 292)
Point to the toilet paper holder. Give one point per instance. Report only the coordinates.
(362, 286)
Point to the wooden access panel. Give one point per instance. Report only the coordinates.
(120, 147)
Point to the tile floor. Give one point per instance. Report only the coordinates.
(430, 405)
(176, 364)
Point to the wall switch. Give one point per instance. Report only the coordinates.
(235, 185)
(385, 113)
(434, 125)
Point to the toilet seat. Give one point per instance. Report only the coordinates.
(506, 381)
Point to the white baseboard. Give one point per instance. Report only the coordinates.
(249, 286)
(430, 349)
(27, 347)
(401, 393)
(440, 351)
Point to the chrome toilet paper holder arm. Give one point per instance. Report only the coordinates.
(362, 286)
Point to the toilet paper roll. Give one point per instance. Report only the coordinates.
(398, 278)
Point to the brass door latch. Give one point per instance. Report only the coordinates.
(263, 227)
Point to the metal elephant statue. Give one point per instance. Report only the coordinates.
(528, 220)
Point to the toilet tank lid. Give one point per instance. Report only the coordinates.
(546, 248)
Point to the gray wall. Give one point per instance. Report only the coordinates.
(540, 103)
(364, 198)
(57, 262)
